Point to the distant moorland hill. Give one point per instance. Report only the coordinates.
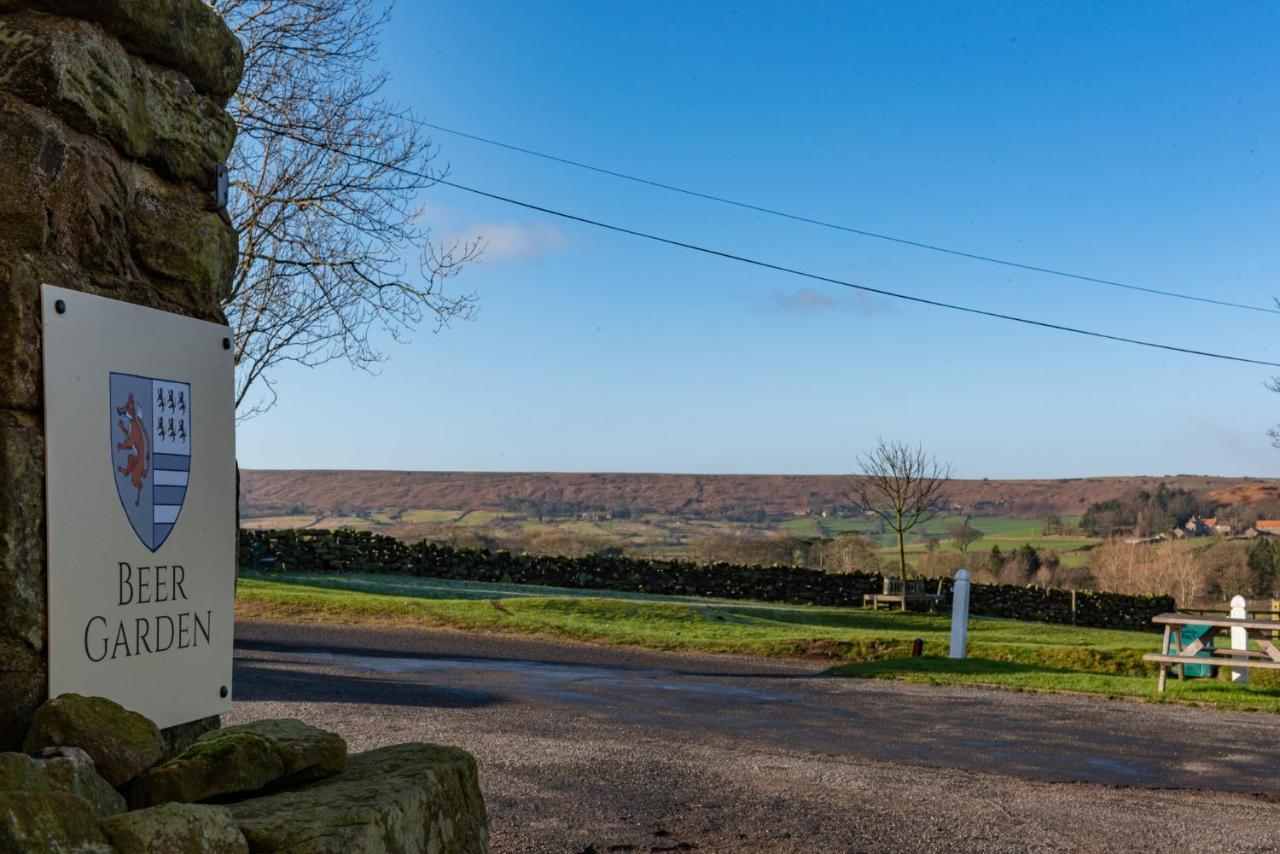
(276, 492)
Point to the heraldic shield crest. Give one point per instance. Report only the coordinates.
(150, 422)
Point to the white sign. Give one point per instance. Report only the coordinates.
(140, 481)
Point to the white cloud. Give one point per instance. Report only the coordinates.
(835, 298)
(865, 303)
(806, 298)
(813, 299)
(513, 241)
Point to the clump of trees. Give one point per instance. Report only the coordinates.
(455, 536)
(1021, 566)
(568, 544)
(1241, 517)
(1149, 570)
(846, 553)
(842, 553)
(1144, 513)
(552, 541)
(746, 550)
(1216, 572)
(941, 564)
(549, 508)
(1263, 562)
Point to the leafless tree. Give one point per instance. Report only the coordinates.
(748, 550)
(325, 185)
(963, 535)
(845, 552)
(1165, 569)
(902, 485)
(1274, 385)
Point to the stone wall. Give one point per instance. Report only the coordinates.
(112, 124)
(314, 550)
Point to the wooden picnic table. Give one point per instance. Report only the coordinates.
(1174, 654)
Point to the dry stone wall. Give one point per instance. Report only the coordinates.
(112, 125)
(314, 550)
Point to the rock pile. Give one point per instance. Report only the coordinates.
(273, 785)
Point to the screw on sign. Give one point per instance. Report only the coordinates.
(140, 522)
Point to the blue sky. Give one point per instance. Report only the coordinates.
(1136, 142)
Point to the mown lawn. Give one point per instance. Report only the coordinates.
(1263, 696)
(1002, 653)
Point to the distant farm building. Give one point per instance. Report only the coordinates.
(1207, 526)
(1264, 528)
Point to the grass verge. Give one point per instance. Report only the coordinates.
(868, 644)
(1017, 676)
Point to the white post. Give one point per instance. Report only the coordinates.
(1239, 638)
(960, 614)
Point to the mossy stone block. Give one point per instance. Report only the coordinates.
(176, 829)
(406, 798)
(49, 821)
(306, 752)
(121, 743)
(227, 764)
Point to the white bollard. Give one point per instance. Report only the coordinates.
(1239, 638)
(960, 614)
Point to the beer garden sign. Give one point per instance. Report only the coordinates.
(140, 491)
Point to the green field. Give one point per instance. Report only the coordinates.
(429, 516)
(665, 536)
(1007, 532)
(1003, 653)
(1021, 676)
(278, 522)
(992, 527)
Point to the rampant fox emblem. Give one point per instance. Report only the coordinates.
(137, 442)
(151, 432)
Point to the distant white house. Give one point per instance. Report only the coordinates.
(1154, 538)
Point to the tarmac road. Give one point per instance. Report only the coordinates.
(599, 749)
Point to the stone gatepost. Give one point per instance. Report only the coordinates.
(112, 129)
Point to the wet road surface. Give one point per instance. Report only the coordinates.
(583, 747)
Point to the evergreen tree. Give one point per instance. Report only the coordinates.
(1027, 554)
(1262, 567)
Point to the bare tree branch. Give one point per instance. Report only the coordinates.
(324, 196)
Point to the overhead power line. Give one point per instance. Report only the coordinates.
(862, 232)
(693, 247)
(843, 283)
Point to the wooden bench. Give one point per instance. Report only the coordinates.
(902, 592)
(1174, 654)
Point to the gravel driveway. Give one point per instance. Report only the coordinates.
(599, 749)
